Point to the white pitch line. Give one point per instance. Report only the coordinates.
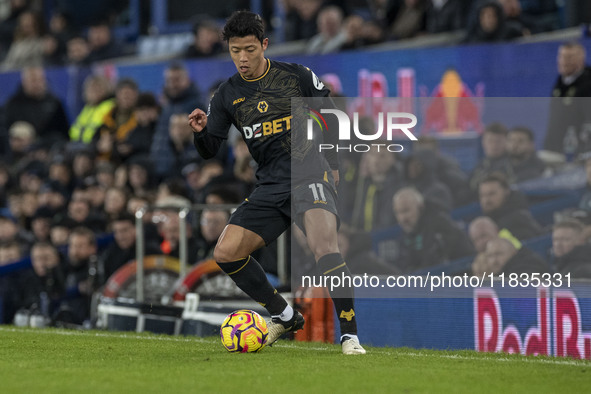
(569, 362)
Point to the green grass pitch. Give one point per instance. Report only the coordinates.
(59, 361)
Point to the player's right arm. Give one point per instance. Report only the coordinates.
(208, 142)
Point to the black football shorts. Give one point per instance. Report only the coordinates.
(269, 213)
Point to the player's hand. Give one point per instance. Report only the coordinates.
(335, 176)
(198, 120)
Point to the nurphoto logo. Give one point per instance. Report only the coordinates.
(387, 125)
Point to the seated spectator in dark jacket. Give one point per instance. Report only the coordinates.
(102, 44)
(34, 103)
(525, 164)
(571, 253)
(430, 236)
(123, 248)
(181, 96)
(46, 277)
(503, 257)
(444, 16)
(567, 109)
(494, 147)
(420, 173)
(206, 40)
(507, 208)
(448, 170)
(81, 276)
(491, 25)
(410, 20)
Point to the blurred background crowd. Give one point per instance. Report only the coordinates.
(70, 185)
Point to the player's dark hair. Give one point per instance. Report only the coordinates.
(242, 24)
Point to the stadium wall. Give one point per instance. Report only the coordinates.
(553, 322)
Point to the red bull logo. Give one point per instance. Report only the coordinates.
(558, 330)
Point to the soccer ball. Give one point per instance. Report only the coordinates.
(244, 331)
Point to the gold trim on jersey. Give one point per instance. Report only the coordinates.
(262, 76)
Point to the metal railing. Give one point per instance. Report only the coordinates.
(183, 214)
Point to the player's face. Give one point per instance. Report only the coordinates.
(248, 55)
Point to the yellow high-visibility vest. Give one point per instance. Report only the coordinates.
(89, 120)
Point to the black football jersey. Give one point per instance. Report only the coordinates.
(261, 109)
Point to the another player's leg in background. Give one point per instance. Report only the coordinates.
(232, 253)
(321, 233)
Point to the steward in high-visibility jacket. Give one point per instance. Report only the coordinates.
(89, 121)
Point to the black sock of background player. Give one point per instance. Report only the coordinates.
(250, 277)
(342, 297)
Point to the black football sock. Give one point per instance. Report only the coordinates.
(250, 277)
(342, 297)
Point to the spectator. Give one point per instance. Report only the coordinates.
(410, 20)
(140, 178)
(77, 51)
(447, 169)
(420, 173)
(360, 257)
(571, 252)
(181, 96)
(60, 230)
(41, 224)
(98, 103)
(206, 40)
(170, 231)
(115, 202)
(429, 235)
(491, 25)
(82, 164)
(8, 26)
(211, 225)
(380, 177)
(482, 230)
(102, 44)
(567, 113)
(21, 136)
(444, 16)
(521, 148)
(122, 250)
(139, 140)
(81, 277)
(507, 208)
(27, 46)
(503, 257)
(300, 21)
(181, 141)
(494, 146)
(34, 103)
(331, 34)
(47, 279)
(118, 122)
(61, 172)
(524, 23)
(81, 216)
(54, 197)
(60, 31)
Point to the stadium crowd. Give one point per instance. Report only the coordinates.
(69, 188)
